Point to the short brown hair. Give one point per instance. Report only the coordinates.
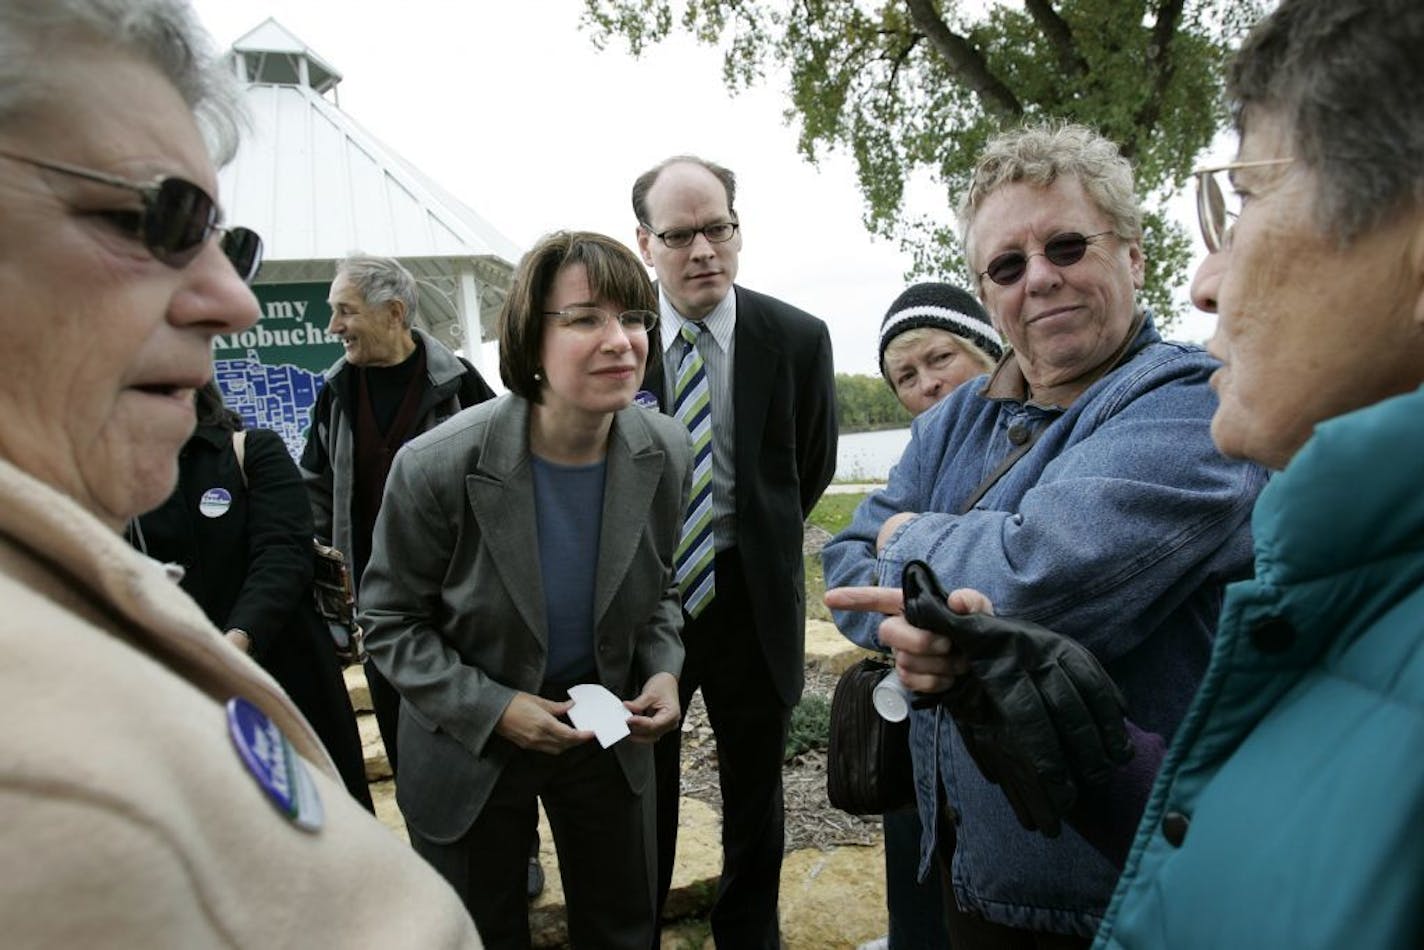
(614, 272)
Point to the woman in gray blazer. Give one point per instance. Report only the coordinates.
(523, 547)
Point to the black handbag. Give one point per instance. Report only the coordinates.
(331, 589)
(868, 770)
(331, 585)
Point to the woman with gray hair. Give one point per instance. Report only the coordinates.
(156, 787)
(1289, 812)
(1076, 486)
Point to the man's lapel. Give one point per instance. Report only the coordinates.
(756, 356)
(501, 495)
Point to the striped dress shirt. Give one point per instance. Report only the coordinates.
(717, 356)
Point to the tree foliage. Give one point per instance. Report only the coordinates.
(912, 89)
(865, 402)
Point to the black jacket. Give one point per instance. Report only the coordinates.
(784, 405)
(246, 550)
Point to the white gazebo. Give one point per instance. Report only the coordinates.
(316, 185)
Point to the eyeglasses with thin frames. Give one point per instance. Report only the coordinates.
(177, 219)
(593, 319)
(1218, 208)
(1062, 250)
(676, 238)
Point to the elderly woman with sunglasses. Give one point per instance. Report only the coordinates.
(522, 560)
(156, 787)
(1077, 486)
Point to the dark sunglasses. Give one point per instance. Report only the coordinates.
(177, 219)
(1061, 250)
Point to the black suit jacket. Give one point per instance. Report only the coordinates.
(784, 409)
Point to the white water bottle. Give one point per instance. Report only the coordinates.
(891, 698)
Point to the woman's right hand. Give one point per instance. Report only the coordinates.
(532, 722)
(926, 661)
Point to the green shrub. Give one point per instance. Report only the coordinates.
(810, 725)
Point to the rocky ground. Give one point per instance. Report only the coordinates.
(811, 822)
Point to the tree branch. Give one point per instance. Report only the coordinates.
(899, 59)
(965, 61)
(1161, 67)
(1060, 36)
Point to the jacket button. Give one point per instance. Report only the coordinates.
(1018, 433)
(1274, 635)
(1174, 828)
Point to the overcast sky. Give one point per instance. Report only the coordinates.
(509, 106)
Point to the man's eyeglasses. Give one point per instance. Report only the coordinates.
(1217, 207)
(176, 221)
(683, 237)
(593, 320)
(1061, 250)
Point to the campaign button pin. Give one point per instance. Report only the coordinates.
(645, 399)
(215, 502)
(274, 763)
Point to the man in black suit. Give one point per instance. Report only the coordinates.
(770, 387)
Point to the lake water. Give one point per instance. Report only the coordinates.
(868, 456)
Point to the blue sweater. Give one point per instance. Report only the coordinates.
(1120, 528)
(1290, 810)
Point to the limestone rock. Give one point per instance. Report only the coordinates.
(833, 898)
(827, 650)
(383, 794)
(373, 750)
(699, 859)
(356, 688)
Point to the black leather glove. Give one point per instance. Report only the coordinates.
(1038, 713)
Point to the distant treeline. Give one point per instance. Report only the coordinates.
(866, 402)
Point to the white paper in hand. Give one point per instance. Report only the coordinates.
(600, 712)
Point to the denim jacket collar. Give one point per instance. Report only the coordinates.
(1007, 382)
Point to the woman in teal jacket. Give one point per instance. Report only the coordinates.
(1289, 811)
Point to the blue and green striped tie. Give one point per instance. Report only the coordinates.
(692, 405)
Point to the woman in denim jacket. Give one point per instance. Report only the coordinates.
(1118, 524)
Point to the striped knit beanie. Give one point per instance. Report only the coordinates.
(944, 306)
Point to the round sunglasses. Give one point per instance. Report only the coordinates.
(1061, 250)
(177, 218)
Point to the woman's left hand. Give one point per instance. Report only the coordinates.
(655, 710)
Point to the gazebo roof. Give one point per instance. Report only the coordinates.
(316, 185)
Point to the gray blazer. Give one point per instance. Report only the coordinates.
(453, 603)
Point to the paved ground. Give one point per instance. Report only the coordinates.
(852, 488)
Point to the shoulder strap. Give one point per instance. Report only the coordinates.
(998, 473)
(239, 446)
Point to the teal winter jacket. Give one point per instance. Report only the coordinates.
(1289, 812)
